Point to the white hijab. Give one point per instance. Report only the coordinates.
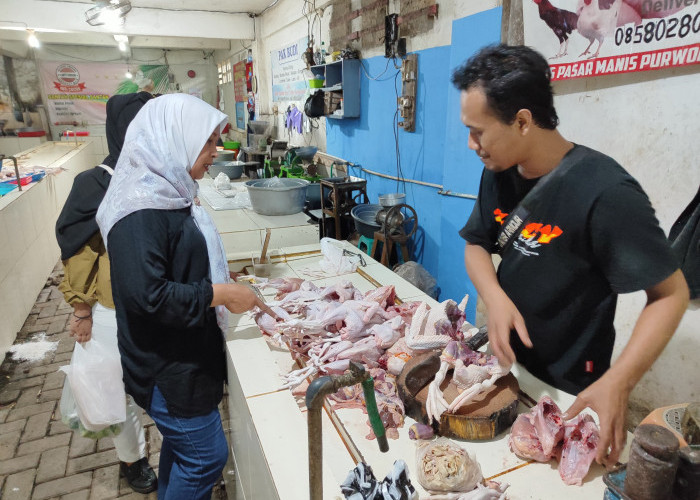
(161, 145)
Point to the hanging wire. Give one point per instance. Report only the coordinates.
(376, 78)
(395, 128)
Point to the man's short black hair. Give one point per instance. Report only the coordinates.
(513, 77)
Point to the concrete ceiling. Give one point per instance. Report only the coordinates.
(164, 24)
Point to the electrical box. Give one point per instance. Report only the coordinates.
(407, 100)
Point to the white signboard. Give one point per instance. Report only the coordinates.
(584, 38)
(288, 80)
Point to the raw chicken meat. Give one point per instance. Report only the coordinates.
(542, 434)
(523, 440)
(548, 424)
(580, 445)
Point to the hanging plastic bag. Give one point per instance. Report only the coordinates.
(69, 416)
(95, 378)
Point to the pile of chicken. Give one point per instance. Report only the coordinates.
(542, 435)
(326, 328)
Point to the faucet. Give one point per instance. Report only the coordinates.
(68, 132)
(315, 396)
(14, 160)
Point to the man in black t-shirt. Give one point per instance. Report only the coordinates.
(588, 234)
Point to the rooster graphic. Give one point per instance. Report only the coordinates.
(561, 22)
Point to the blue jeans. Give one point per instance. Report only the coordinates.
(193, 453)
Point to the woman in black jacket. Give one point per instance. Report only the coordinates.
(170, 284)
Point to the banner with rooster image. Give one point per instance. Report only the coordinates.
(77, 92)
(583, 38)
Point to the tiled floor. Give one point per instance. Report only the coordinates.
(40, 458)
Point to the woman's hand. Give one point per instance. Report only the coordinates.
(80, 323)
(238, 298)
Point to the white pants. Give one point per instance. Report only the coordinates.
(131, 441)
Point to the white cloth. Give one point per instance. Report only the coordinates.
(130, 443)
(160, 147)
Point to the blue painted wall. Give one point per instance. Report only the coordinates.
(436, 152)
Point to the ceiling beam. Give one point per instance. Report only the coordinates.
(107, 40)
(47, 15)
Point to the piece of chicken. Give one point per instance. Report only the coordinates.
(596, 20)
(561, 22)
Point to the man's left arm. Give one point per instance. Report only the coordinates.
(609, 395)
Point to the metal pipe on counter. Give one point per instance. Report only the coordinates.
(315, 396)
(14, 160)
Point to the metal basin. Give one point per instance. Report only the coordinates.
(365, 217)
(277, 196)
(234, 169)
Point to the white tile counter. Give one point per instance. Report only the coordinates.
(27, 234)
(243, 231)
(269, 430)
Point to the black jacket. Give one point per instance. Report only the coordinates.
(168, 333)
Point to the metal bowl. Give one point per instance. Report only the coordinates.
(365, 217)
(225, 156)
(234, 169)
(392, 199)
(306, 153)
(283, 196)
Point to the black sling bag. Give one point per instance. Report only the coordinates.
(517, 217)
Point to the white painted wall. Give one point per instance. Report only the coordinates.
(646, 121)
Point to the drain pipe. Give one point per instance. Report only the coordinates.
(315, 396)
(14, 160)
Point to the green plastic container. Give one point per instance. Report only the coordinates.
(315, 83)
(232, 145)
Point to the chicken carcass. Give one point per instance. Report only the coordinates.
(474, 373)
(537, 435)
(542, 434)
(523, 440)
(580, 446)
(549, 425)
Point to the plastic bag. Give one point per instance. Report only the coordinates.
(444, 466)
(69, 416)
(335, 261)
(95, 378)
(222, 182)
(416, 275)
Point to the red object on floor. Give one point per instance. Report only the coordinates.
(33, 133)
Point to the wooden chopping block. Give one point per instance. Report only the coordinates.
(483, 418)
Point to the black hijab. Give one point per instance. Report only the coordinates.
(76, 224)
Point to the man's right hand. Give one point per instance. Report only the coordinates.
(503, 317)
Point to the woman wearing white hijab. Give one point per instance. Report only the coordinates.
(170, 287)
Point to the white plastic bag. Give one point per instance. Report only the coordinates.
(442, 465)
(95, 378)
(222, 182)
(69, 416)
(334, 261)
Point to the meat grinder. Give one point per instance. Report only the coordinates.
(398, 223)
